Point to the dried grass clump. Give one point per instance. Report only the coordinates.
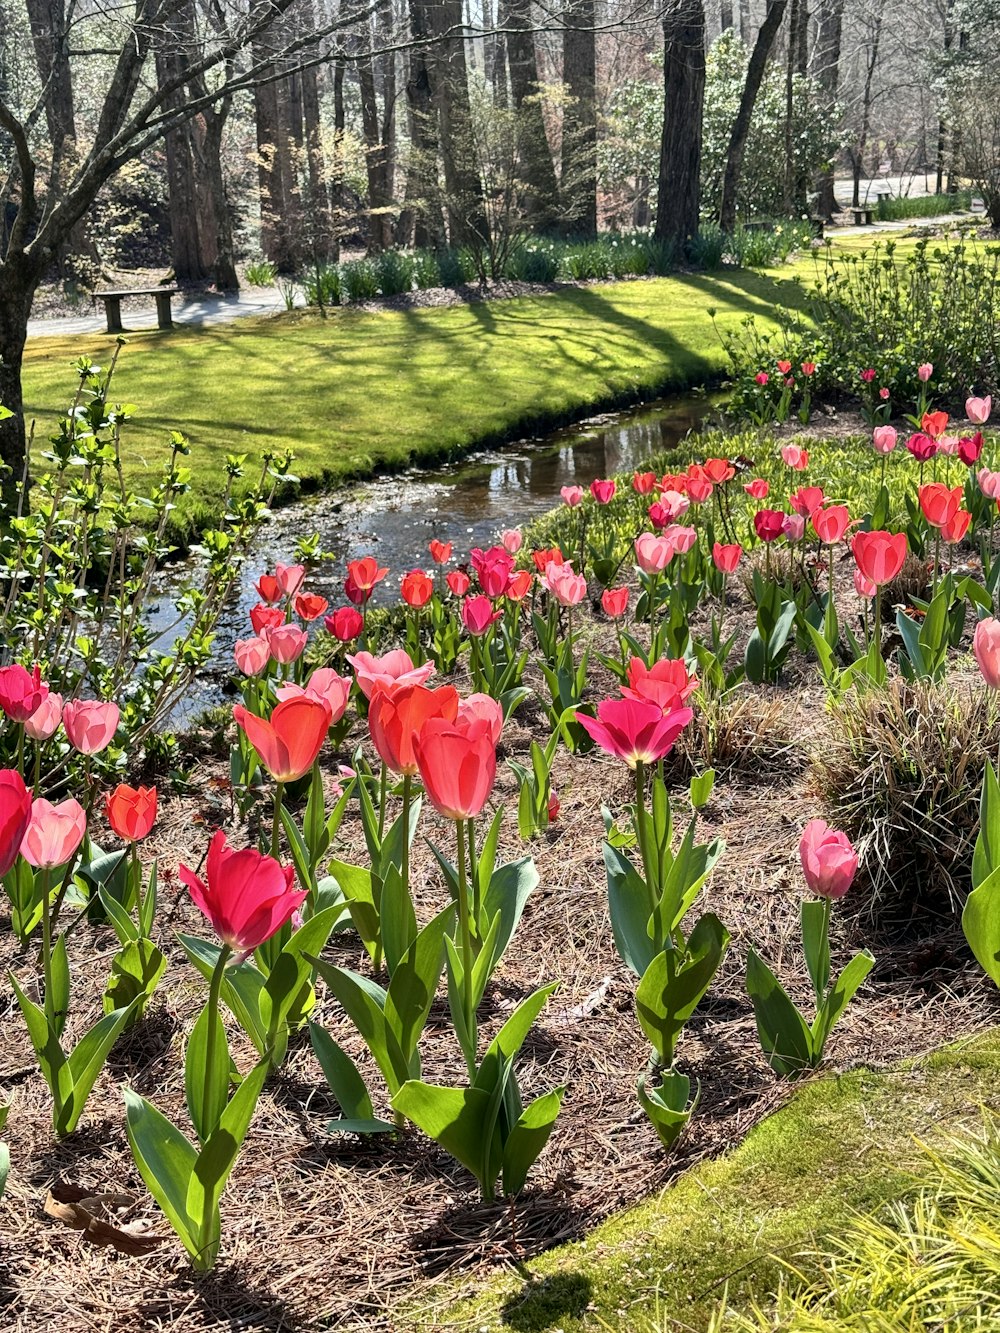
(901, 772)
(913, 580)
(745, 733)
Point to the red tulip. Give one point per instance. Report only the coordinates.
(879, 555)
(718, 470)
(986, 647)
(90, 724)
(54, 833)
(21, 691)
(939, 503)
(247, 897)
(615, 602)
(310, 606)
(267, 588)
(921, 446)
(458, 581)
(726, 558)
(542, 559)
(131, 811)
(769, 524)
(458, 763)
(830, 524)
(266, 617)
(762, 377)
(345, 624)
(396, 716)
(15, 813)
(806, 500)
(478, 615)
(829, 862)
(635, 730)
(440, 551)
(288, 744)
(395, 667)
(416, 589)
(603, 491)
(970, 447)
(757, 489)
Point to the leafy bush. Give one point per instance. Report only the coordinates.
(426, 271)
(900, 772)
(922, 206)
(585, 261)
(395, 272)
(706, 250)
(323, 285)
(360, 279)
(533, 261)
(261, 273)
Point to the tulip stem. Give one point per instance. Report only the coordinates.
(47, 948)
(382, 794)
(20, 750)
(828, 626)
(466, 941)
(276, 820)
(477, 904)
(136, 874)
(824, 948)
(641, 831)
(405, 854)
(877, 632)
(652, 620)
(214, 990)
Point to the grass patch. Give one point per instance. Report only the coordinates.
(842, 1144)
(359, 392)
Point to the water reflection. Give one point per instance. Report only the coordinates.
(469, 503)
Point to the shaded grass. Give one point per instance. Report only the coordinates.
(364, 391)
(844, 1143)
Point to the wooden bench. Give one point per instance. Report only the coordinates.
(863, 216)
(113, 305)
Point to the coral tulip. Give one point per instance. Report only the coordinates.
(416, 588)
(700, 489)
(879, 555)
(396, 716)
(808, 368)
(131, 811)
(365, 573)
(247, 897)
(757, 489)
(784, 366)
(718, 470)
(986, 647)
(310, 606)
(957, 526)
(938, 503)
(653, 553)
(726, 558)
(44, 721)
(831, 523)
(519, 585)
(934, 424)
(458, 582)
(635, 730)
(345, 624)
(644, 483)
(977, 410)
(542, 559)
(614, 602)
(440, 551)
(288, 744)
(458, 764)
(806, 500)
(90, 724)
(15, 814)
(392, 667)
(252, 655)
(829, 861)
(21, 691)
(54, 833)
(265, 617)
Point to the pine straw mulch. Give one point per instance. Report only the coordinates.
(323, 1231)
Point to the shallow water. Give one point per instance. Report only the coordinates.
(469, 503)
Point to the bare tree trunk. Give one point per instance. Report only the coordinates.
(725, 15)
(858, 152)
(428, 229)
(746, 26)
(461, 179)
(741, 125)
(378, 229)
(18, 278)
(578, 175)
(678, 193)
(539, 169)
(272, 163)
(220, 219)
(829, 31)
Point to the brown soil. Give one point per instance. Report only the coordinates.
(322, 1231)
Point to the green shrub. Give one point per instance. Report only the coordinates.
(425, 269)
(394, 270)
(323, 285)
(706, 250)
(533, 261)
(261, 273)
(360, 279)
(923, 206)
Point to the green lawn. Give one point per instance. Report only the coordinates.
(843, 1143)
(361, 391)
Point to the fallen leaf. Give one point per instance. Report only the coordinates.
(88, 1212)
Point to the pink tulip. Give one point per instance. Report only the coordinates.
(396, 665)
(21, 691)
(478, 615)
(986, 647)
(637, 731)
(795, 527)
(567, 588)
(668, 684)
(602, 491)
(757, 489)
(482, 708)
(90, 724)
(977, 410)
(493, 569)
(252, 655)
(831, 523)
(287, 643)
(325, 686)
(289, 578)
(572, 495)
(653, 553)
(680, 537)
(864, 586)
(512, 540)
(806, 500)
(884, 438)
(54, 833)
(924, 372)
(989, 483)
(829, 862)
(794, 457)
(247, 896)
(15, 814)
(44, 721)
(726, 558)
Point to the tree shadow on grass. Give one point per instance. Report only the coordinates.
(543, 1304)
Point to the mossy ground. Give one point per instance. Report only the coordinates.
(842, 1143)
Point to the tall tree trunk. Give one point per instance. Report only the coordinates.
(741, 125)
(192, 250)
(19, 276)
(746, 25)
(858, 152)
(539, 169)
(337, 208)
(374, 158)
(428, 227)
(458, 151)
(578, 174)
(678, 188)
(220, 214)
(272, 165)
(725, 15)
(829, 32)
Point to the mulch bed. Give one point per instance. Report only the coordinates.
(323, 1231)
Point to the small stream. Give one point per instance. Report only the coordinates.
(469, 503)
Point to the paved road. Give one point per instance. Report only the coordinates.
(186, 310)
